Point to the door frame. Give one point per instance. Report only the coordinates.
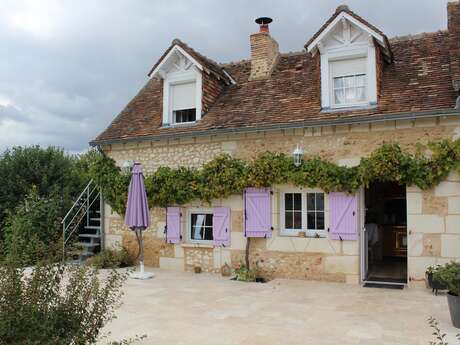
(363, 252)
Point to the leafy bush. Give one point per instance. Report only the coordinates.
(449, 274)
(55, 304)
(225, 175)
(245, 274)
(32, 231)
(112, 258)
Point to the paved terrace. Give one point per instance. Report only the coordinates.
(198, 309)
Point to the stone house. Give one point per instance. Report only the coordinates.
(350, 90)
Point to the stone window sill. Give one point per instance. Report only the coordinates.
(197, 245)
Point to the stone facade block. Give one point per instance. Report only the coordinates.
(431, 245)
(447, 188)
(425, 223)
(415, 244)
(238, 241)
(176, 264)
(349, 162)
(414, 203)
(342, 264)
(453, 204)
(453, 224)
(450, 246)
(417, 266)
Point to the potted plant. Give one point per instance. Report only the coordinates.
(449, 274)
(432, 282)
(245, 274)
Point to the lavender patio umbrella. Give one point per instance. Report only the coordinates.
(137, 214)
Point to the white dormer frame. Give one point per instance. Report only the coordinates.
(348, 50)
(188, 70)
(344, 15)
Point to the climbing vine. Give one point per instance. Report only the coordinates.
(225, 175)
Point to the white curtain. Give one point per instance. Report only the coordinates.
(198, 226)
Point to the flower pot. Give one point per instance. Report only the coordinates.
(454, 308)
(197, 269)
(435, 284)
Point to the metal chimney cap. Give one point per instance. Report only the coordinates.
(264, 20)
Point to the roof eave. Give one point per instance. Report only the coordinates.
(303, 124)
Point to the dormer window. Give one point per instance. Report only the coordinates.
(348, 82)
(183, 102)
(348, 49)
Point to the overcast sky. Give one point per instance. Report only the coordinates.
(67, 67)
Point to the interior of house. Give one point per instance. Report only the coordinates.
(386, 232)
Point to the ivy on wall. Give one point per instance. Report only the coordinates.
(225, 175)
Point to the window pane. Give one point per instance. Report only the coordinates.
(361, 94)
(311, 220)
(348, 81)
(350, 95)
(288, 201)
(339, 96)
(298, 220)
(338, 83)
(360, 80)
(320, 220)
(288, 221)
(310, 201)
(201, 226)
(208, 220)
(298, 201)
(319, 201)
(185, 115)
(208, 234)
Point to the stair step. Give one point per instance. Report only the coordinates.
(89, 235)
(88, 245)
(96, 219)
(98, 211)
(93, 227)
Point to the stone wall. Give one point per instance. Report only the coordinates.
(433, 216)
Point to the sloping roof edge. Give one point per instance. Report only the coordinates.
(344, 12)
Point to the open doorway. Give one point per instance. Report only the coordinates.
(385, 233)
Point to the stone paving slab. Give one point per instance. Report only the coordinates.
(198, 309)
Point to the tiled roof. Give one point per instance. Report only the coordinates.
(417, 80)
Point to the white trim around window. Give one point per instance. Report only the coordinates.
(369, 68)
(192, 76)
(195, 215)
(299, 214)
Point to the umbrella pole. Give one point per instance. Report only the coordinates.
(141, 256)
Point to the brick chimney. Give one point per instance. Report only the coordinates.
(453, 26)
(264, 51)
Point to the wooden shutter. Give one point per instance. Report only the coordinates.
(173, 225)
(343, 216)
(257, 212)
(221, 226)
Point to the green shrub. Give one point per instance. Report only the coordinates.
(112, 258)
(245, 274)
(54, 304)
(32, 232)
(449, 274)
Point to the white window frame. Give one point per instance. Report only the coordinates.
(191, 211)
(331, 86)
(174, 78)
(309, 232)
(348, 53)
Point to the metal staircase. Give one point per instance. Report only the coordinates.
(82, 226)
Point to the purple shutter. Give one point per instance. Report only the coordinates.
(173, 225)
(343, 216)
(257, 212)
(221, 226)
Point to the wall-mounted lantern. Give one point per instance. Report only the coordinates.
(298, 155)
(127, 165)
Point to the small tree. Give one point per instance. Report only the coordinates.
(55, 304)
(32, 231)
